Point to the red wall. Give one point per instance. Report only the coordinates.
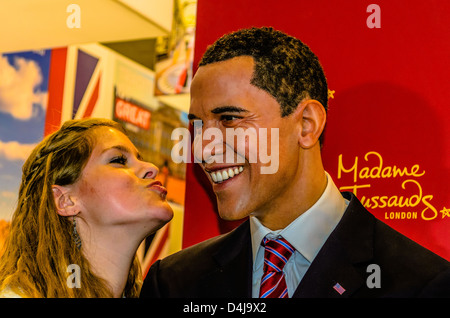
(389, 111)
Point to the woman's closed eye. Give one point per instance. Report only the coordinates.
(121, 160)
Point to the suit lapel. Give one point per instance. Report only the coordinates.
(339, 269)
(327, 270)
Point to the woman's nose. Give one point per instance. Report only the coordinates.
(150, 171)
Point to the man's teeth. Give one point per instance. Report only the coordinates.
(225, 174)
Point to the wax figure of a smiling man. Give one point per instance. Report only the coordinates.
(303, 238)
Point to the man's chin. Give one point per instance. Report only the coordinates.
(230, 212)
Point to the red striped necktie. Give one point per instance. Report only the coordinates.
(277, 253)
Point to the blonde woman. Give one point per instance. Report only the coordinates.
(86, 202)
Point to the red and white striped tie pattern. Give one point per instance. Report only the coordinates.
(277, 253)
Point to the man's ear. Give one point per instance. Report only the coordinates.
(312, 118)
(65, 205)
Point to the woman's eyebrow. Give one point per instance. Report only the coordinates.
(124, 149)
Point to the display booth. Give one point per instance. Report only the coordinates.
(387, 137)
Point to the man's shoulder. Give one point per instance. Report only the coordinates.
(387, 240)
(196, 251)
(188, 271)
(397, 246)
(406, 266)
(204, 250)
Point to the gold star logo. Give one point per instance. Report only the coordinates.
(445, 212)
(331, 94)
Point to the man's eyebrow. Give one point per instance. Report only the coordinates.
(124, 149)
(220, 110)
(192, 117)
(228, 109)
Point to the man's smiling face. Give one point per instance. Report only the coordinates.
(222, 97)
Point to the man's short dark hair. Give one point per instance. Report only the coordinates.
(285, 67)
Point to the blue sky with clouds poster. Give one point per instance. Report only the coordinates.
(23, 103)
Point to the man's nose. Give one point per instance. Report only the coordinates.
(208, 145)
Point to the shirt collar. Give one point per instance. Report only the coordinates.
(308, 232)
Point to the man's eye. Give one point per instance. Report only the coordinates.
(122, 160)
(229, 117)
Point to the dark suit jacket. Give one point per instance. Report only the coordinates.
(221, 267)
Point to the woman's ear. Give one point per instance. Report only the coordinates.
(312, 118)
(65, 205)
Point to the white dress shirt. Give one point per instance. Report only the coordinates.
(306, 234)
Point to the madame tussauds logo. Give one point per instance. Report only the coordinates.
(239, 145)
(410, 202)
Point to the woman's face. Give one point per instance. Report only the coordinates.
(118, 189)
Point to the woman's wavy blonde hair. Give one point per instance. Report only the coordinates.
(40, 246)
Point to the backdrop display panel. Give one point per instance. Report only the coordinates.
(387, 136)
